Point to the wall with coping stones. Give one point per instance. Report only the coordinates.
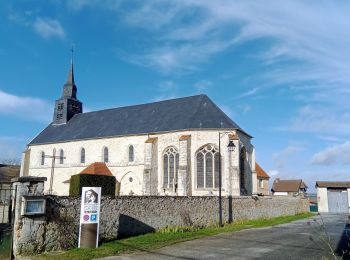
(125, 216)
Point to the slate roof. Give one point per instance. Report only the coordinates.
(260, 173)
(288, 185)
(187, 113)
(333, 184)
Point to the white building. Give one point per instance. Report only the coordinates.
(169, 147)
(333, 196)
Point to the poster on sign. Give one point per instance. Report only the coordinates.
(89, 217)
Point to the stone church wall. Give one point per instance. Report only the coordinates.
(126, 216)
(130, 175)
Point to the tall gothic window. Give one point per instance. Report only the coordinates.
(105, 155)
(61, 156)
(131, 153)
(208, 161)
(42, 158)
(82, 155)
(170, 167)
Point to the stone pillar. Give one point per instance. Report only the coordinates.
(147, 172)
(22, 186)
(234, 167)
(225, 164)
(25, 163)
(154, 168)
(254, 176)
(184, 166)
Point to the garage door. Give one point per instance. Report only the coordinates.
(338, 201)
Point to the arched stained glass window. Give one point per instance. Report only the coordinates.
(105, 155)
(131, 153)
(170, 167)
(207, 162)
(82, 155)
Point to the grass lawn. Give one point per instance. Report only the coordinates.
(163, 238)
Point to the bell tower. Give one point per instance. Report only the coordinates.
(68, 105)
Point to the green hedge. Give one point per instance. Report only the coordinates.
(107, 183)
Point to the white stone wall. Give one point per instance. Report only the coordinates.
(130, 174)
(129, 215)
(280, 193)
(322, 199)
(118, 155)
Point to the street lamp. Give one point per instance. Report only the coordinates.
(231, 147)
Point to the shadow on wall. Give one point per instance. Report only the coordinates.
(129, 226)
(230, 210)
(343, 248)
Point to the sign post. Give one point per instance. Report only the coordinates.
(89, 217)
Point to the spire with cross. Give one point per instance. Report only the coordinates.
(68, 105)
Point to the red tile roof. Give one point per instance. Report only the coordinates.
(260, 173)
(151, 139)
(288, 185)
(184, 137)
(98, 168)
(333, 184)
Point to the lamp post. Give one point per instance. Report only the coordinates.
(231, 146)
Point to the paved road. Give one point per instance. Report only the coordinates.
(304, 239)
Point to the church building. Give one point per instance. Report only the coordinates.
(170, 147)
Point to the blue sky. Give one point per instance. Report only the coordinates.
(280, 70)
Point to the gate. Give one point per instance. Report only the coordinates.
(338, 201)
(6, 220)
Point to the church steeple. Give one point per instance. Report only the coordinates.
(69, 88)
(68, 105)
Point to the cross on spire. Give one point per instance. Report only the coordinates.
(72, 52)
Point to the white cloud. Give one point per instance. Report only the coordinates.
(11, 148)
(273, 173)
(167, 90)
(202, 86)
(337, 154)
(281, 158)
(317, 119)
(48, 28)
(249, 93)
(184, 34)
(28, 108)
(314, 33)
(244, 108)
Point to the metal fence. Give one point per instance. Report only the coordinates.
(5, 203)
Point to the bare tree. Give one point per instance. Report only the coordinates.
(10, 161)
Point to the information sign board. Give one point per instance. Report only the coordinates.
(89, 216)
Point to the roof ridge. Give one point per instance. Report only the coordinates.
(143, 104)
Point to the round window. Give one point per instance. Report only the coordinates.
(131, 179)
